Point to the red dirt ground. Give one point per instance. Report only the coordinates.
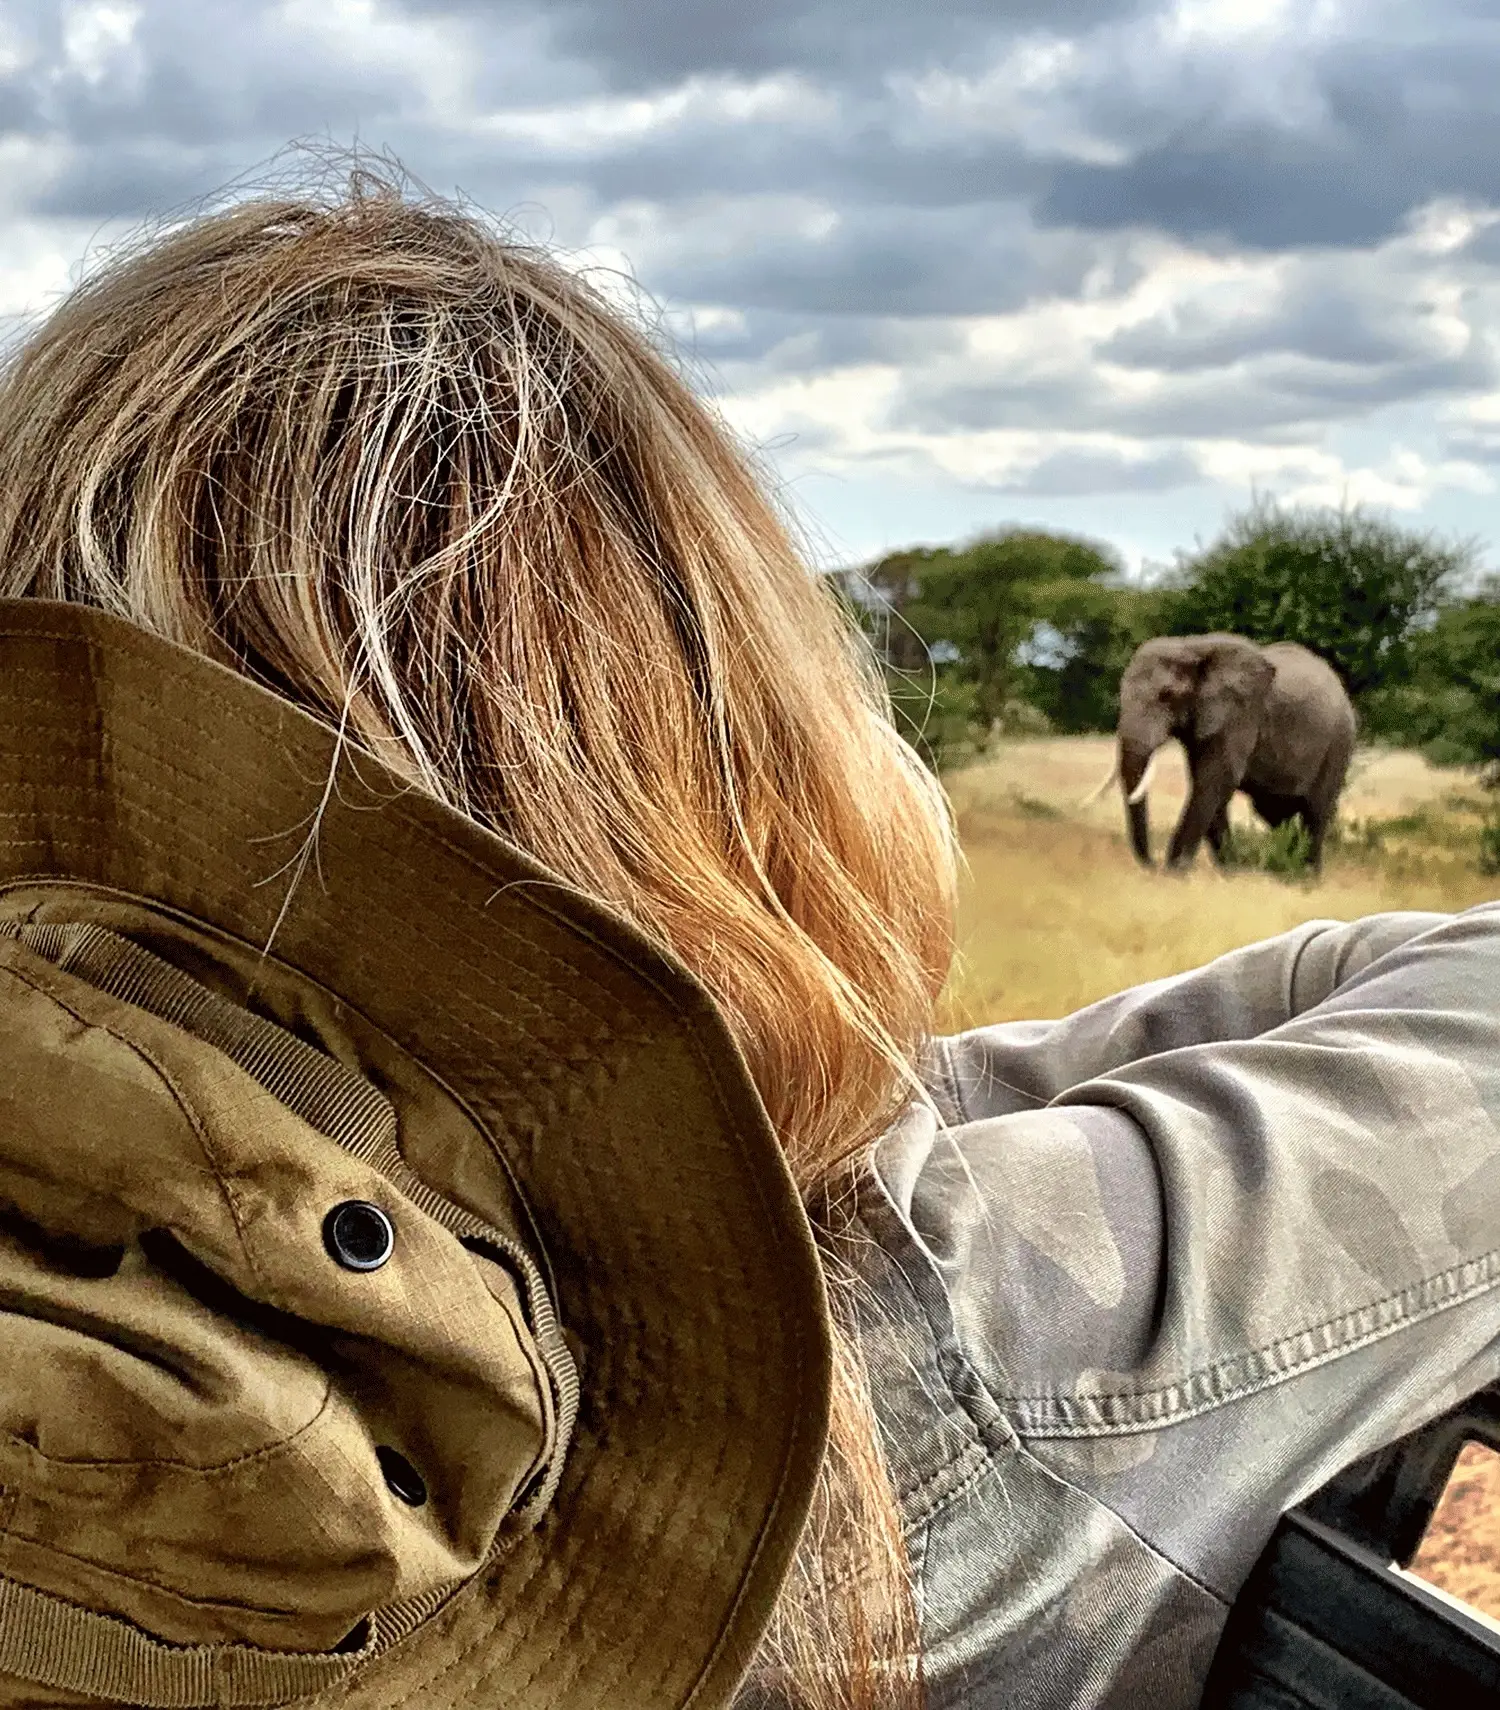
(1461, 1552)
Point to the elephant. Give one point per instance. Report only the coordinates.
(1272, 721)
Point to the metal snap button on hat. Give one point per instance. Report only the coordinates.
(359, 1235)
(401, 1477)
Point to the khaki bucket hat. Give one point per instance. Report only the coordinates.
(403, 1297)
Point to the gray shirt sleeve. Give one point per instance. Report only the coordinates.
(1019, 1065)
(1211, 1240)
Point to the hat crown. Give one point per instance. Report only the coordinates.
(193, 1366)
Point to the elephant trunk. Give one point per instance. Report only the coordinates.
(1135, 767)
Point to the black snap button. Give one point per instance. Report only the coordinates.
(401, 1477)
(359, 1235)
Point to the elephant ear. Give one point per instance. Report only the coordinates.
(1232, 689)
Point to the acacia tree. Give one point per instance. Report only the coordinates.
(1349, 585)
(971, 610)
(1020, 616)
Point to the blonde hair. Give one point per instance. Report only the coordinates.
(424, 481)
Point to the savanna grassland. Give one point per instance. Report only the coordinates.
(1054, 913)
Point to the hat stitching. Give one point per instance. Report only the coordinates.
(172, 1593)
(149, 1058)
(610, 1034)
(267, 1452)
(156, 786)
(413, 821)
(408, 1690)
(481, 1640)
(799, 1382)
(624, 1665)
(484, 1635)
(151, 783)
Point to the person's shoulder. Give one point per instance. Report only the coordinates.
(938, 1074)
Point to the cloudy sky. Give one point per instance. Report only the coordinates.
(945, 264)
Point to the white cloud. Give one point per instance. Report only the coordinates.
(591, 127)
(435, 56)
(662, 236)
(98, 39)
(1025, 96)
(1238, 22)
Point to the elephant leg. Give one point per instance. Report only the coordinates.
(1213, 785)
(1218, 832)
(1138, 824)
(1323, 799)
(1317, 829)
(1317, 815)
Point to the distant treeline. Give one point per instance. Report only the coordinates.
(1026, 631)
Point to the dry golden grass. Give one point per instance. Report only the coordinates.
(1055, 913)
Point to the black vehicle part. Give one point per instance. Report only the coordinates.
(1326, 1623)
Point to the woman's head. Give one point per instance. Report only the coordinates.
(426, 482)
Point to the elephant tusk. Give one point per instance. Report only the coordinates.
(1139, 792)
(1094, 795)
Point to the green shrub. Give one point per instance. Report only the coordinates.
(1449, 705)
(1351, 586)
(1449, 750)
(1284, 850)
(971, 611)
(935, 712)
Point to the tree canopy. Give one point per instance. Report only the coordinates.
(1347, 584)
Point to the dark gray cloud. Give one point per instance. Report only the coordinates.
(1258, 187)
(1082, 469)
(1282, 396)
(1329, 315)
(643, 44)
(890, 262)
(1385, 126)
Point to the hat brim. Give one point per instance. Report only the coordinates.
(685, 1272)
